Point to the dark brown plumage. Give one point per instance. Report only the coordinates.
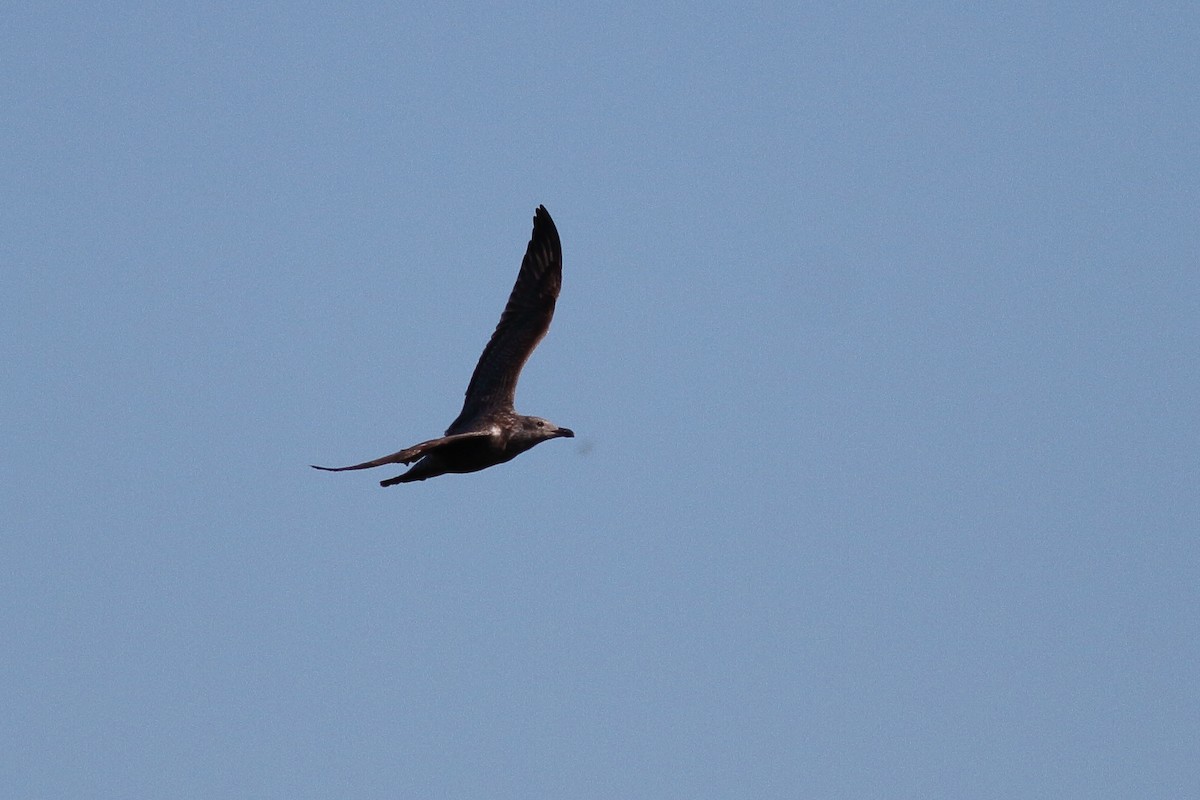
(488, 430)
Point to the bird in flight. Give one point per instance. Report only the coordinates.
(488, 430)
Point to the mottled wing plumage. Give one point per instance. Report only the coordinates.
(524, 322)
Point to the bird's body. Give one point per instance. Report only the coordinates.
(488, 431)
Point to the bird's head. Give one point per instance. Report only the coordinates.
(536, 429)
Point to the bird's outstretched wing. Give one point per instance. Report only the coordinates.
(524, 322)
(408, 454)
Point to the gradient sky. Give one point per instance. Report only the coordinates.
(879, 332)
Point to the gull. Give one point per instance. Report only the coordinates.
(488, 430)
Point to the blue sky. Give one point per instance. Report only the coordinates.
(878, 331)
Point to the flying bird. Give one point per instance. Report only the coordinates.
(488, 430)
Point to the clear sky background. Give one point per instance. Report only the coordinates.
(879, 332)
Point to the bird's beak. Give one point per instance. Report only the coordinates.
(566, 433)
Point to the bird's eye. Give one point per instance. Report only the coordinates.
(541, 424)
